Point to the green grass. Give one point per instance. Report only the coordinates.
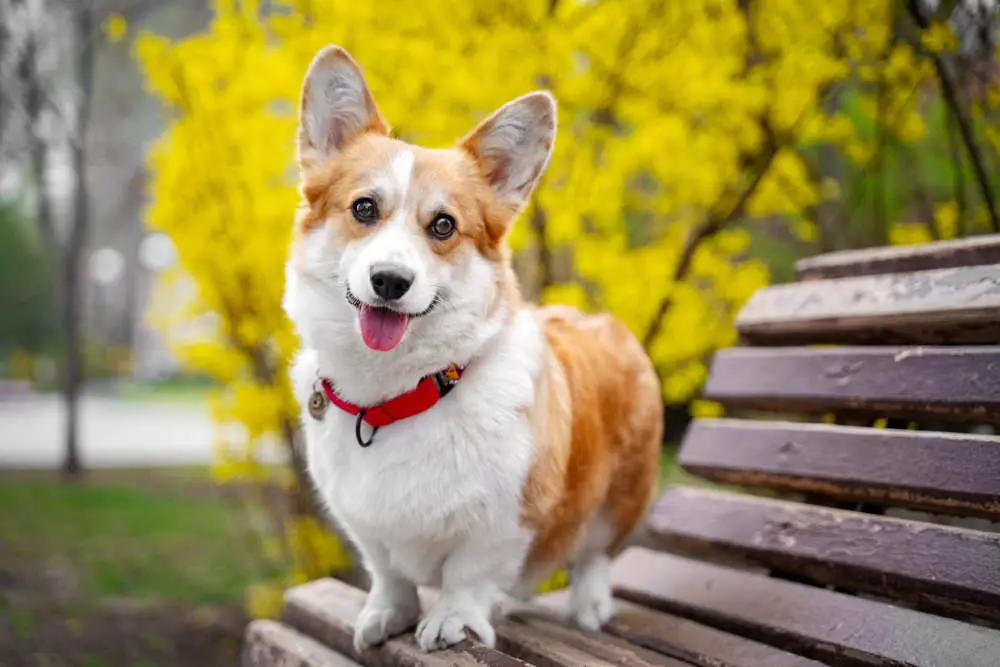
(137, 535)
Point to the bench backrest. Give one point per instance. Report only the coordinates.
(860, 417)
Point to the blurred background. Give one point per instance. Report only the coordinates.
(151, 488)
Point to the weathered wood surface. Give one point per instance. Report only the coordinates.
(973, 251)
(946, 472)
(831, 627)
(941, 569)
(954, 383)
(604, 646)
(548, 640)
(635, 626)
(271, 644)
(938, 306)
(325, 609)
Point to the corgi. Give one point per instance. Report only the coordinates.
(462, 438)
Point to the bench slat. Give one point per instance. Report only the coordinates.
(540, 647)
(271, 644)
(956, 383)
(548, 617)
(945, 472)
(636, 626)
(828, 626)
(940, 568)
(541, 642)
(325, 609)
(940, 254)
(940, 306)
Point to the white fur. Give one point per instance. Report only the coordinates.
(436, 499)
(402, 171)
(399, 242)
(590, 603)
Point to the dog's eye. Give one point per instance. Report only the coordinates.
(365, 210)
(443, 226)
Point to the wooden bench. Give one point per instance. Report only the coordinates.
(849, 543)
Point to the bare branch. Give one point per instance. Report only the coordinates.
(712, 225)
(38, 150)
(958, 171)
(948, 89)
(539, 221)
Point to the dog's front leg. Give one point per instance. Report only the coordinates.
(392, 606)
(474, 578)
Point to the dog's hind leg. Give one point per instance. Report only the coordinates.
(590, 575)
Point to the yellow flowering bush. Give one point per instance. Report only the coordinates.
(678, 120)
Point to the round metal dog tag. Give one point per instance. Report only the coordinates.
(317, 404)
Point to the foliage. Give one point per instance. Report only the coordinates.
(27, 300)
(678, 120)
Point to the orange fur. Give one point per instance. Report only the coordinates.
(596, 420)
(599, 426)
(329, 188)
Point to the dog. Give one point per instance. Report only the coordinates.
(462, 438)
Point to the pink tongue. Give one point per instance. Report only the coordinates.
(381, 328)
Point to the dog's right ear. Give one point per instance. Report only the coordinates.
(336, 106)
(513, 146)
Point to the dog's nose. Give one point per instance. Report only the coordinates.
(391, 281)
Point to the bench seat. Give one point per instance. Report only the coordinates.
(844, 511)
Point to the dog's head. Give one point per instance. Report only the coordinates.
(398, 242)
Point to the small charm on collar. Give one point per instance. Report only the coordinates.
(429, 390)
(318, 403)
(453, 373)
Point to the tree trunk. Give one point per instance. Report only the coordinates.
(37, 148)
(73, 365)
(72, 267)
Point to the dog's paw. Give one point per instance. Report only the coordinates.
(449, 622)
(379, 621)
(590, 602)
(592, 612)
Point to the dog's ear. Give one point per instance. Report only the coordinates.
(513, 146)
(336, 106)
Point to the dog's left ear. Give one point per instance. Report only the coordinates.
(336, 106)
(513, 146)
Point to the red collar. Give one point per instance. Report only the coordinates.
(424, 396)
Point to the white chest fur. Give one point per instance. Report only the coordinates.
(434, 481)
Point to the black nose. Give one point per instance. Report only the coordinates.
(391, 282)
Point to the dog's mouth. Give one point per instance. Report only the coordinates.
(383, 327)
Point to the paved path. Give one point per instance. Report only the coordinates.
(114, 433)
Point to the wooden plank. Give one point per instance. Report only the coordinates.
(940, 568)
(831, 627)
(544, 643)
(548, 645)
(271, 644)
(605, 646)
(972, 251)
(954, 383)
(635, 628)
(940, 306)
(325, 609)
(944, 472)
